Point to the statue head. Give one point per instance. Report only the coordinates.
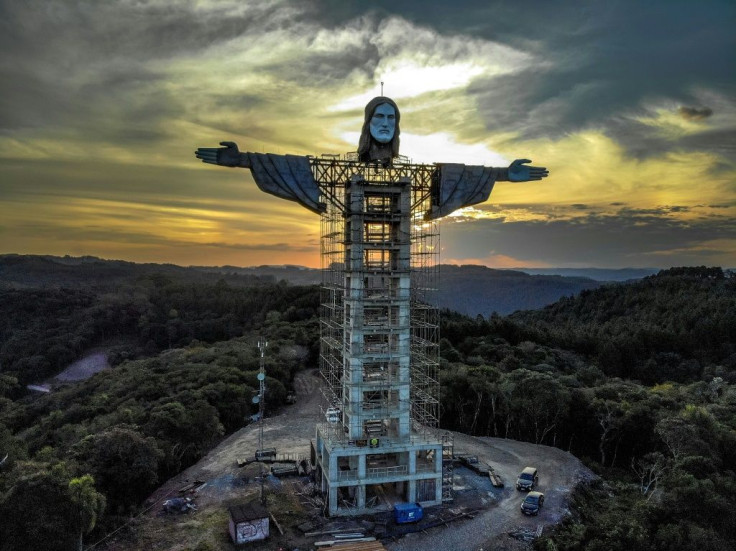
(379, 138)
(383, 123)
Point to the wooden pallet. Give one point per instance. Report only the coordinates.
(495, 477)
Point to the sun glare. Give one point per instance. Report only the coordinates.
(405, 79)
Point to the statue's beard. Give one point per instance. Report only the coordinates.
(380, 152)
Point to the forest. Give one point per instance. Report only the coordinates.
(636, 379)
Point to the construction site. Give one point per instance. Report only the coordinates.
(482, 510)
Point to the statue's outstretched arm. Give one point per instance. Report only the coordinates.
(519, 172)
(286, 176)
(223, 156)
(460, 186)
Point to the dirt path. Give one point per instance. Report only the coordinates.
(291, 431)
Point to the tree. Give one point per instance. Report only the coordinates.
(123, 462)
(538, 402)
(649, 469)
(38, 504)
(88, 504)
(679, 436)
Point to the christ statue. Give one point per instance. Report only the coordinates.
(291, 176)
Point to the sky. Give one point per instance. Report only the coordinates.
(631, 106)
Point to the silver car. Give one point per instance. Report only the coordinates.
(528, 479)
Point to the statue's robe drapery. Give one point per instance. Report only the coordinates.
(286, 176)
(461, 186)
(290, 177)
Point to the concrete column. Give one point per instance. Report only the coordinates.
(411, 494)
(333, 500)
(332, 484)
(332, 462)
(438, 471)
(324, 464)
(361, 477)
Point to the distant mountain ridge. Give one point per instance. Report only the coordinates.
(32, 271)
(469, 289)
(473, 289)
(598, 274)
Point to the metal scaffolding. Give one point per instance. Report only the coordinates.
(387, 274)
(379, 348)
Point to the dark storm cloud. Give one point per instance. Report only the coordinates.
(602, 59)
(327, 68)
(631, 237)
(164, 186)
(637, 213)
(70, 62)
(645, 141)
(129, 28)
(54, 232)
(261, 246)
(695, 113)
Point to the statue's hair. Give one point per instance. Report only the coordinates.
(364, 145)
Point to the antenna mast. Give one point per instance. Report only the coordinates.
(262, 344)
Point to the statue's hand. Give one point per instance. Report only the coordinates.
(223, 156)
(519, 172)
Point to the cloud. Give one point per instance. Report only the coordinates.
(602, 61)
(695, 113)
(103, 103)
(629, 237)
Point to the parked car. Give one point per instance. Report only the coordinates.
(528, 479)
(532, 503)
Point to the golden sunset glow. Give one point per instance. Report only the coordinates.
(99, 129)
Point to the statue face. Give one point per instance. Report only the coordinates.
(383, 123)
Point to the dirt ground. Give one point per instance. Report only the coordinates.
(221, 482)
(84, 368)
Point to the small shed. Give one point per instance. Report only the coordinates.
(248, 522)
